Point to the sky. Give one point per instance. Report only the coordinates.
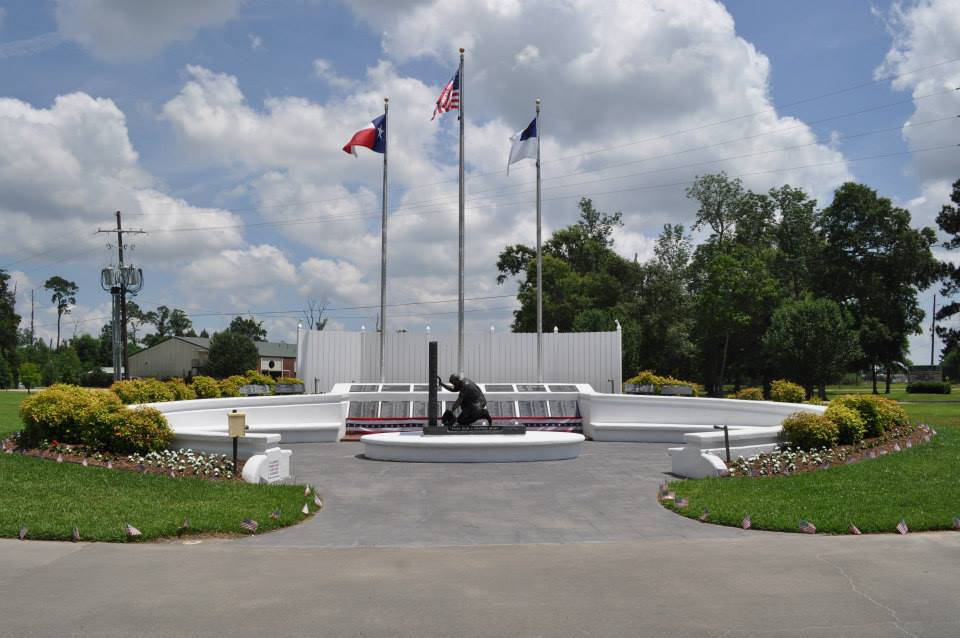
(217, 127)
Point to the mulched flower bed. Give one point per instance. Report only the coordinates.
(172, 463)
(788, 460)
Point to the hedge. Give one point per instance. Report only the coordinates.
(928, 387)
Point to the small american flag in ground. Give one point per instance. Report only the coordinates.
(131, 530)
(75, 535)
(275, 514)
(807, 527)
(825, 466)
(449, 97)
(745, 523)
(306, 490)
(141, 468)
(669, 496)
(663, 488)
(9, 450)
(23, 533)
(851, 460)
(306, 508)
(854, 530)
(249, 525)
(183, 528)
(109, 465)
(59, 458)
(681, 502)
(173, 474)
(84, 462)
(871, 454)
(909, 444)
(902, 526)
(956, 523)
(896, 447)
(317, 501)
(705, 515)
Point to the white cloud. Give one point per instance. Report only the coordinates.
(324, 70)
(256, 42)
(924, 35)
(122, 30)
(247, 277)
(527, 54)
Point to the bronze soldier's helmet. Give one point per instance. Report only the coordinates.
(456, 380)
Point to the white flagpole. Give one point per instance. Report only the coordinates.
(539, 262)
(462, 225)
(383, 240)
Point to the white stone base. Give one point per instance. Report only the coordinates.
(472, 448)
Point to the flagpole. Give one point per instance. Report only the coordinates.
(539, 261)
(462, 225)
(383, 240)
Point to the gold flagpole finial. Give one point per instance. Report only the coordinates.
(462, 50)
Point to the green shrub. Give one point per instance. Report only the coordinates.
(54, 414)
(205, 387)
(749, 394)
(139, 430)
(230, 387)
(181, 391)
(290, 380)
(787, 391)
(258, 378)
(648, 377)
(96, 422)
(879, 413)
(850, 425)
(807, 431)
(928, 387)
(143, 391)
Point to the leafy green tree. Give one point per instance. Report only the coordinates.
(6, 374)
(874, 263)
(720, 201)
(29, 374)
(949, 222)
(9, 323)
(249, 327)
(87, 348)
(795, 236)
(136, 318)
(231, 353)
(64, 295)
(179, 322)
(811, 341)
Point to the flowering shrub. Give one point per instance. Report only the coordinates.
(808, 431)
(140, 429)
(648, 377)
(206, 387)
(96, 430)
(879, 413)
(258, 378)
(143, 391)
(187, 462)
(181, 391)
(55, 413)
(230, 387)
(748, 394)
(850, 425)
(786, 391)
(785, 461)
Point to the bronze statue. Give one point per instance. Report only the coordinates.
(470, 400)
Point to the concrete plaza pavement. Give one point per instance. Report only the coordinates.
(557, 549)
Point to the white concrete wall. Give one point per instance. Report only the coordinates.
(580, 357)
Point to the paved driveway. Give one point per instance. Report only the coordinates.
(607, 494)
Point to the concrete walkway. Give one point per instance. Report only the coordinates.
(569, 548)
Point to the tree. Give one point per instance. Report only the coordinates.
(9, 323)
(873, 264)
(796, 240)
(249, 327)
(135, 319)
(949, 222)
(231, 353)
(313, 315)
(811, 341)
(87, 348)
(29, 373)
(64, 295)
(179, 322)
(720, 203)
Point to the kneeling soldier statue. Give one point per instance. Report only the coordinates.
(470, 400)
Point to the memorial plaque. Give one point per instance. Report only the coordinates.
(925, 373)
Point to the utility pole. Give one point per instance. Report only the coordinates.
(31, 316)
(933, 327)
(126, 279)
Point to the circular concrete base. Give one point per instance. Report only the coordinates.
(472, 448)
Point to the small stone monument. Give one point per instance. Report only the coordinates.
(273, 466)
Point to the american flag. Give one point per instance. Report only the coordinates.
(807, 527)
(59, 458)
(23, 533)
(75, 536)
(745, 523)
(141, 468)
(902, 526)
(84, 462)
(909, 443)
(275, 514)
(669, 496)
(183, 528)
(703, 517)
(306, 508)
(681, 502)
(449, 97)
(663, 488)
(851, 460)
(131, 530)
(956, 523)
(317, 501)
(306, 490)
(109, 465)
(896, 447)
(249, 524)
(854, 530)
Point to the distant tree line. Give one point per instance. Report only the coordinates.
(778, 288)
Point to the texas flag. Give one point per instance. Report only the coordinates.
(374, 137)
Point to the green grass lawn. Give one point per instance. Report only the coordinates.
(898, 392)
(52, 498)
(920, 485)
